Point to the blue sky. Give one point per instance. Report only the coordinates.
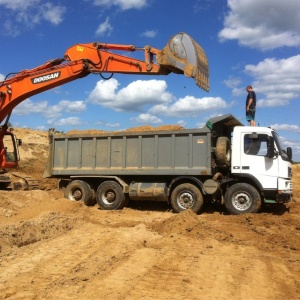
(247, 42)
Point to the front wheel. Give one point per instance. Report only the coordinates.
(186, 196)
(242, 198)
(110, 196)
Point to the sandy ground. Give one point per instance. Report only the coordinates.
(53, 248)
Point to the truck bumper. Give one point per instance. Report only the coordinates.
(284, 197)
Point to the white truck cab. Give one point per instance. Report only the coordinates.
(258, 159)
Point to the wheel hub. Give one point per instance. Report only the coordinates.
(241, 201)
(109, 197)
(77, 194)
(186, 200)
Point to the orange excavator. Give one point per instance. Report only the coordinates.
(181, 55)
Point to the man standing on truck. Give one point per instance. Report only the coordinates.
(250, 105)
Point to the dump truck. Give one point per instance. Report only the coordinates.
(238, 166)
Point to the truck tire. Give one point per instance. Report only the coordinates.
(110, 196)
(186, 196)
(78, 190)
(92, 201)
(223, 152)
(242, 198)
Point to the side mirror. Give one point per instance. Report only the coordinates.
(289, 152)
(19, 141)
(271, 149)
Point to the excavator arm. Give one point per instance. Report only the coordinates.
(181, 55)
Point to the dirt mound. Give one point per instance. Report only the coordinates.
(181, 223)
(152, 128)
(53, 248)
(133, 129)
(46, 226)
(87, 131)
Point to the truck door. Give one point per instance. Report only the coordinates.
(255, 158)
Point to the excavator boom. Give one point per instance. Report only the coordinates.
(181, 55)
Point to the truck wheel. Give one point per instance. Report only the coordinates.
(223, 155)
(92, 201)
(242, 198)
(78, 190)
(110, 196)
(186, 196)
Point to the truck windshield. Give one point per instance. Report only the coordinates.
(282, 152)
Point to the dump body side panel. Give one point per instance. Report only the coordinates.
(184, 152)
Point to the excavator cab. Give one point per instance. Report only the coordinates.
(10, 155)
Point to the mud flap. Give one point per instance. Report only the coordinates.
(182, 55)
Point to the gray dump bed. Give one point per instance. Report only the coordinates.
(182, 152)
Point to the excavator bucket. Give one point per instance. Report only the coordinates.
(183, 55)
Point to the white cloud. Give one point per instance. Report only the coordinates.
(146, 119)
(104, 28)
(72, 106)
(263, 24)
(200, 125)
(113, 125)
(28, 107)
(20, 15)
(182, 123)
(277, 79)
(286, 127)
(140, 95)
(18, 4)
(66, 121)
(238, 91)
(2, 77)
(149, 33)
(122, 4)
(134, 97)
(189, 106)
(53, 13)
(232, 82)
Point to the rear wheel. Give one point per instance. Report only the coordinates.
(186, 196)
(242, 198)
(78, 190)
(91, 201)
(110, 196)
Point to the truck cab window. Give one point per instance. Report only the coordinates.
(257, 145)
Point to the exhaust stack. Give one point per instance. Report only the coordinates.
(182, 55)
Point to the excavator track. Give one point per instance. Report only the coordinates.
(24, 182)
